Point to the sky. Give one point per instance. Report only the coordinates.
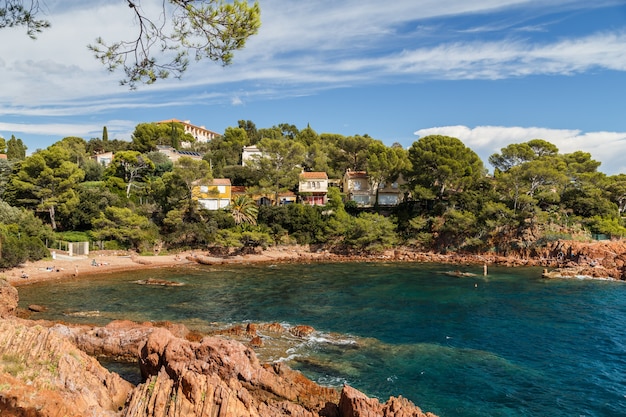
(488, 72)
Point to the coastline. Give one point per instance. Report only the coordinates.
(104, 262)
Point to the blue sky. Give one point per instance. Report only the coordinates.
(489, 72)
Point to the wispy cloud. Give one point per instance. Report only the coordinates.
(324, 44)
(303, 48)
(85, 130)
(606, 147)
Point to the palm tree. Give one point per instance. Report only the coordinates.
(244, 210)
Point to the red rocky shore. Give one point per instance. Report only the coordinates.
(49, 370)
(561, 258)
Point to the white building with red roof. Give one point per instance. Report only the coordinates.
(313, 188)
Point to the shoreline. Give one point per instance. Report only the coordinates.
(103, 262)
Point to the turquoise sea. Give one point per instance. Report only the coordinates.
(509, 344)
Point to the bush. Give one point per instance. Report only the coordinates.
(74, 236)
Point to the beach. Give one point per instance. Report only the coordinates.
(597, 260)
(62, 266)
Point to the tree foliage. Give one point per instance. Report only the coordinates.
(23, 13)
(46, 182)
(142, 199)
(130, 229)
(244, 210)
(443, 165)
(165, 42)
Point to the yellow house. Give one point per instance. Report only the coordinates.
(213, 194)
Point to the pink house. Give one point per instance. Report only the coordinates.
(313, 188)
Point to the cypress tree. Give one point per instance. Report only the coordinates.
(105, 134)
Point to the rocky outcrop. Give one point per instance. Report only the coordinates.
(220, 377)
(354, 403)
(597, 259)
(44, 375)
(8, 299)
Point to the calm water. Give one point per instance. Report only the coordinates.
(510, 344)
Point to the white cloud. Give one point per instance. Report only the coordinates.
(302, 47)
(606, 147)
(85, 130)
(322, 43)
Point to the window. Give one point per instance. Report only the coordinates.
(221, 189)
(204, 189)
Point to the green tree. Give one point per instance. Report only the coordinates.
(93, 170)
(226, 150)
(352, 152)
(304, 223)
(127, 227)
(46, 181)
(131, 168)
(77, 148)
(16, 150)
(616, 187)
(6, 167)
(105, 134)
(244, 210)
(3, 145)
(306, 136)
(211, 29)
(93, 199)
(320, 158)
(147, 136)
(385, 164)
(280, 164)
(188, 172)
(542, 148)
(251, 131)
(372, 232)
(443, 165)
(96, 146)
(512, 156)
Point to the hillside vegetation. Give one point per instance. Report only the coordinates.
(145, 202)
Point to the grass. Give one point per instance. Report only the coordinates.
(12, 364)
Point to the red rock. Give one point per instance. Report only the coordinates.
(50, 377)
(251, 329)
(272, 327)
(301, 331)
(8, 299)
(256, 342)
(354, 403)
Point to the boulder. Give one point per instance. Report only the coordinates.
(256, 341)
(37, 308)
(301, 331)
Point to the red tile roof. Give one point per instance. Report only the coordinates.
(313, 175)
(356, 174)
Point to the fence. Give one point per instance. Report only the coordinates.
(74, 248)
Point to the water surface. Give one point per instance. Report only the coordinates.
(509, 344)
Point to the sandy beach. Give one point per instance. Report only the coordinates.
(63, 266)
